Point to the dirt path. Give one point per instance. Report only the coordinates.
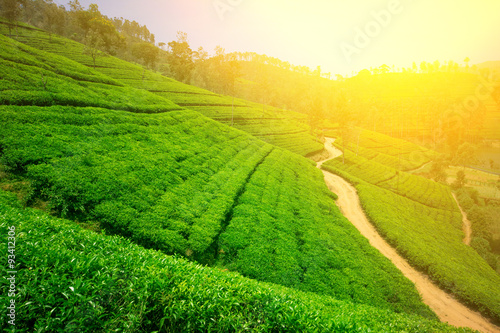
(467, 226)
(444, 305)
(419, 168)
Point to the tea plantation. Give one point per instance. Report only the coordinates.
(173, 180)
(419, 218)
(395, 153)
(283, 128)
(73, 280)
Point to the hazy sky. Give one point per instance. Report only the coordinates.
(339, 35)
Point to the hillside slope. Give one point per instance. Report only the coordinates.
(283, 128)
(182, 183)
(72, 279)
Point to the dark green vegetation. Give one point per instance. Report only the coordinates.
(75, 280)
(283, 128)
(179, 182)
(420, 219)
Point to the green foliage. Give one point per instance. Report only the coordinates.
(11, 9)
(181, 58)
(176, 181)
(484, 223)
(166, 181)
(414, 187)
(427, 232)
(34, 77)
(460, 181)
(70, 279)
(286, 229)
(278, 127)
(147, 52)
(392, 152)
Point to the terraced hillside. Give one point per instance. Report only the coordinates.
(176, 181)
(283, 128)
(389, 151)
(72, 279)
(420, 219)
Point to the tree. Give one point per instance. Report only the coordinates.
(11, 9)
(180, 58)
(384, 69)
(460, 181)
(423, 67)
(437, 171)
(466, 153)
(147, 52)
(55, 19)
(93, 43)
(467, 60)
(111, 39)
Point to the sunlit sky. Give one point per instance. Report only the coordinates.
(341, 36)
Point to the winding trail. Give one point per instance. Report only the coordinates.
(467, 226)
(419, 168)
(443, 304)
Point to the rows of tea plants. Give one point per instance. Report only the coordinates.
(174, 92)
(286, 229)
(414, 187)
(431, 240)
(433, 243)
(33, 77)
(392, 146)
(171, 181)
(298, 143)
(71, 279)
(167, 180)
(363, 168)
(227, 113)
(405, 159)
(422, 190)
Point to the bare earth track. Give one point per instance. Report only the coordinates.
(443, 304)
(466, 224)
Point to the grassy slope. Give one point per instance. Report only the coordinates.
(173, 181)
(70, 279)
(30, 77)
(279, 127)
(428, 233)
(386, 150)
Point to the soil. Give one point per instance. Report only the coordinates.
(466, 224)
(446, 307)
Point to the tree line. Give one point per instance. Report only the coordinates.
(115, 36)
